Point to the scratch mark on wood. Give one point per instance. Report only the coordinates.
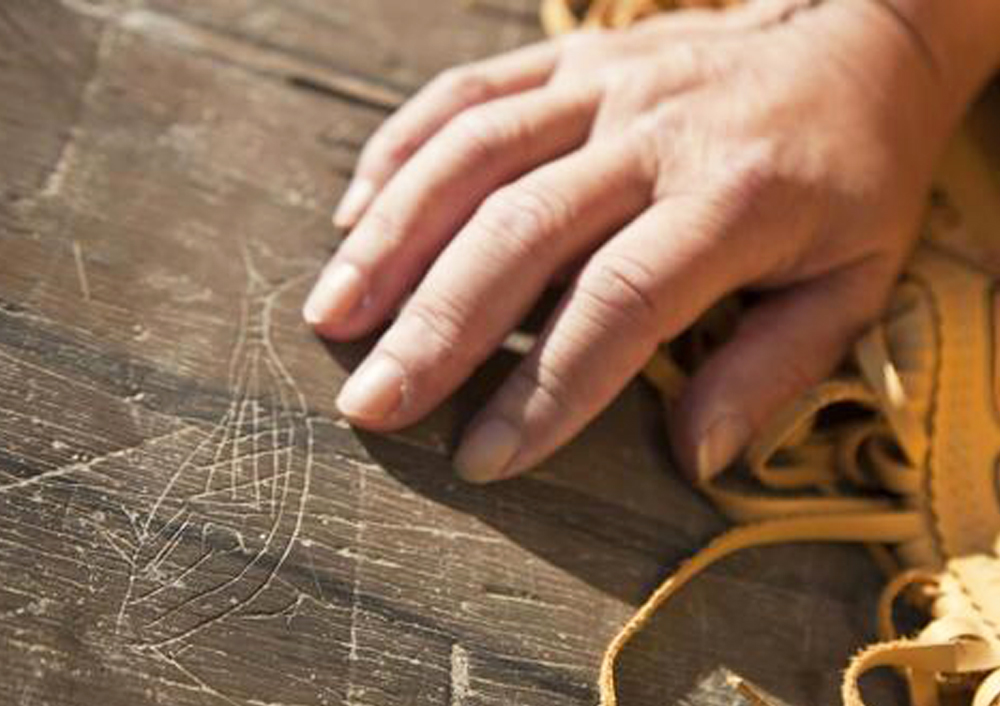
(353, 693)
(78, 466)
(356, 583)
(67, 155)
(196, 682)
(459, 675)
(81, 271)
(312, 570)
(56, 178)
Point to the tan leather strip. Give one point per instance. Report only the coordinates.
(873, 358)
(988, 693)
(790, 422)
(665, 375)
(742, 508)
(852, 443)
(995, 352)
(955, 657)
(923, 688)
(883, 527)
(557, 18)
(887, 600)
(894, 476)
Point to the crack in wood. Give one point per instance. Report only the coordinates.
(383, 102)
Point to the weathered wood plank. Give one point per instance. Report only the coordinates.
(183, 517)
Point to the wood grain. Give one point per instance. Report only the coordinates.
(183, 517)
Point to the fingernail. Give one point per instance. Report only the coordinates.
(486, 451)
(334, 296)
(720, 444)
(374, 391)
(353, 203)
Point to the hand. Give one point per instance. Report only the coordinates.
(777, 147)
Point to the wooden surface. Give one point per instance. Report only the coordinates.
(183, 517)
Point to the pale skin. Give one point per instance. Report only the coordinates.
(784, 147)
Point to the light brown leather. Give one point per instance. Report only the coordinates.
(560, 16)
(913, 470)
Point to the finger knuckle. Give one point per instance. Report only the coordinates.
(540, 379)
(482, 132)
(444, 322)
(629, 91)
(748, 197)
(620, 291)
(526, 220)
(387, 224)
(465, 83)
(754, 174)
(390, 145)
(579, 52)
(621, 87)
(575, 45)
(691, 61)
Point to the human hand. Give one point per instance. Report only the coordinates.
(775, 147)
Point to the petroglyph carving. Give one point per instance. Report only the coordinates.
(229, 515)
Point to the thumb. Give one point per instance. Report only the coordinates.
(783, 346)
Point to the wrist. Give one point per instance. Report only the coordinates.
(919, 70)
(961, 38)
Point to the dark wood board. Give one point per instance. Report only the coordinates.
(184, 519)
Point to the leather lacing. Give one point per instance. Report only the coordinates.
(828, 463)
